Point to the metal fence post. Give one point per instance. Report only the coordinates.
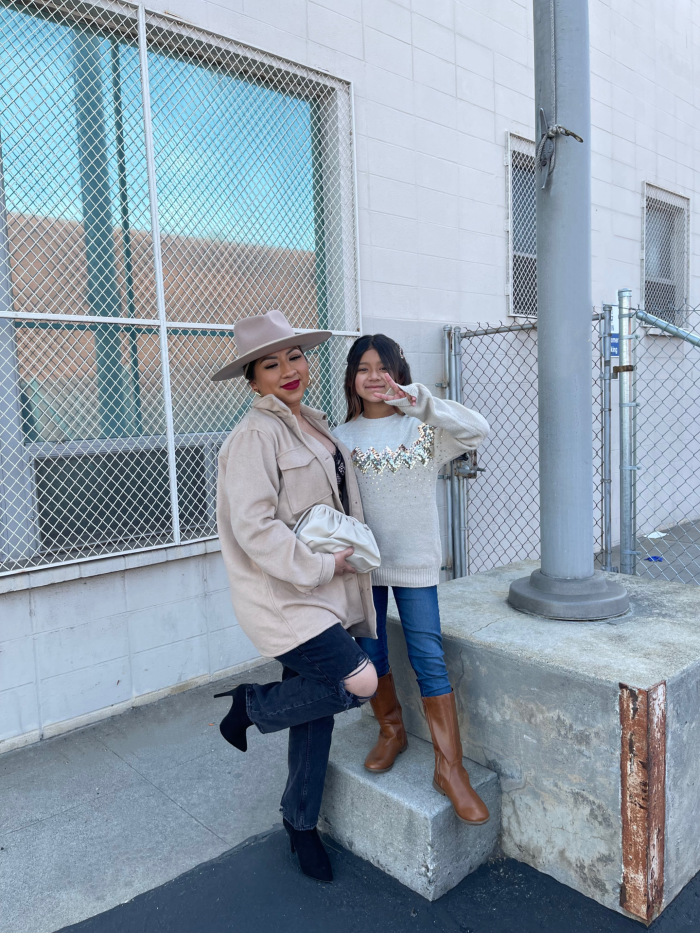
(606, 464)
(457, 481)
(158, 272)
(447, 350)
(628, 451)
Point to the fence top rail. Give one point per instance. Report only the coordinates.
(502, 329)
(505, 328)
(670, 329)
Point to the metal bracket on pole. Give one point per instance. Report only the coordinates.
(546, 153)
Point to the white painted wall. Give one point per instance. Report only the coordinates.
(86, 641)
(438, 83)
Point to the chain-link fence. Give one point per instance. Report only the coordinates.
(499, 379)
(157, 184)
(667, 442)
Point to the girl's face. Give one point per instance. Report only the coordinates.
(370, 378)
(284, 374)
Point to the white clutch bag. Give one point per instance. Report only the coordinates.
(326, 531)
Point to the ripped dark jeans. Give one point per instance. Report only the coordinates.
(304, 701)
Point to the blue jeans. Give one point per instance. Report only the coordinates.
(304, 701)
(420, 618)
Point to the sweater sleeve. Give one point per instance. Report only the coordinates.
(252, 487)
(459, 428)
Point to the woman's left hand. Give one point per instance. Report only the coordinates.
(398, 392)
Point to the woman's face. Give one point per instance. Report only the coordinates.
(370, 376)
(284, 374)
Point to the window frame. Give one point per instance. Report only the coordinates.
(679, 203)
(334, 134)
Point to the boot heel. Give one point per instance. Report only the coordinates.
(438, 788)
(313, 858)
(234, 724)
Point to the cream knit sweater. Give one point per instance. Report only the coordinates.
(397, 460)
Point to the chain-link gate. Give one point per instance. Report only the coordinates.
(665, 444)
(499, 380)
(157, 184)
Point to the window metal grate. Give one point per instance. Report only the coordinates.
(521, 284)
(157, 184)
(665, 254)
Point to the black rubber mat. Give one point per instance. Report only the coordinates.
(258, 888)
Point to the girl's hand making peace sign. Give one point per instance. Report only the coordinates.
(398, 392)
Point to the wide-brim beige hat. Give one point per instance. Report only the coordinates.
(266, 333)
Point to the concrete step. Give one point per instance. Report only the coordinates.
(398, 821)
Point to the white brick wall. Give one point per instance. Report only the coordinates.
(437, 85)
(97, 643)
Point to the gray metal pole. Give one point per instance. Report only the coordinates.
(628, 451)
(606, 464)
(566, 586)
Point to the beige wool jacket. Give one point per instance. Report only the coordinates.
(270, 473)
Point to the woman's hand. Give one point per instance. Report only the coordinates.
(341, 564)
(398, 392)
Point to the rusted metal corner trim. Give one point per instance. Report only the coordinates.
(643, 785)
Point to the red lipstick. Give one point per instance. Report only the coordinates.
(291, 386)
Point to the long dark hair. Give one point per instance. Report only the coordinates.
(391, 355)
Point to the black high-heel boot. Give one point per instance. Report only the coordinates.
(313, 858)
(234, 724)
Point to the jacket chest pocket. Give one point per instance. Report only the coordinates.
(304, 480)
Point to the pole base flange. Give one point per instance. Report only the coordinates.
(587, 600)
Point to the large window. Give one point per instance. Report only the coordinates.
(522, 227)
(665, 264)
(132, 238)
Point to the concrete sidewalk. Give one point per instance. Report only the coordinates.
(91, 819)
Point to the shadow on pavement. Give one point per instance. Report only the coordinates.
(258, 888)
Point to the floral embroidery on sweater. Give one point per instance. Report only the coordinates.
(421, 452)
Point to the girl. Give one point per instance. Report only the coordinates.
(399, 436)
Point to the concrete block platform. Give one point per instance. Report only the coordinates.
(398, 821)
(593, 729)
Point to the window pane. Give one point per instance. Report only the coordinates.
(74, 169)
(524, 204)
(659, 240)
(241, 221)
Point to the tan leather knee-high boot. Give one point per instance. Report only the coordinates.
(392, 735)
(450, 778)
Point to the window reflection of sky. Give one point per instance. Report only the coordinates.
(233, 159)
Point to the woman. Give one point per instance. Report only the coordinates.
(400, 436)
(299, 607)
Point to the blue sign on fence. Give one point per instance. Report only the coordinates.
(615, 333)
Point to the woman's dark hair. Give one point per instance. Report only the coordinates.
(391, 355)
